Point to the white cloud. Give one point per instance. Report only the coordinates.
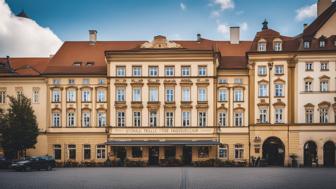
(223, 29)
(244, 26)
(183, 6)
(225, 4)
(309, 11)
(215, 14)
(24, 37)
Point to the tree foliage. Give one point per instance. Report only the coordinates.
(18, 127)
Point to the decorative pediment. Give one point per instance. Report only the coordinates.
(263, 103)
(324, 104)
(308, 78)
(160, 42)
(324, 77)
(279, 80)
(279, 103)
(263, 81)
(309, 105)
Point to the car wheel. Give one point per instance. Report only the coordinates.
(49, 168)
(27, 168)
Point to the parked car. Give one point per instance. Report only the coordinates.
(35, 163)
(5, 163)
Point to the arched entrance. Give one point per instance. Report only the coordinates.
(329, 154)
(274, 151)
(310, 153)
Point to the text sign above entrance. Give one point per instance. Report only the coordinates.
(154, 131)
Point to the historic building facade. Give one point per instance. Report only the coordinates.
(271, 97)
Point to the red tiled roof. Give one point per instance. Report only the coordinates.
(26, 66)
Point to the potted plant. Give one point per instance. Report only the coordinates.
(294, 160)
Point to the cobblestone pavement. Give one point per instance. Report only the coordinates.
(179, 178)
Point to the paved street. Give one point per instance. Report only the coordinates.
(161, 178)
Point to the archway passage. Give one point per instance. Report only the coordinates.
(310, 153)
(329, 154)
(274, 151)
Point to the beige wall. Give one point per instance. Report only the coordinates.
(328, 29)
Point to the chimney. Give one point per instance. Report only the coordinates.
(234, 35)
(93, 36)
(305, 26)
(322, 5)
(199, 37)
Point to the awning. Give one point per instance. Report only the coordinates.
(162, 143)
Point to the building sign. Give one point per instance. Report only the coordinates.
(154, 131)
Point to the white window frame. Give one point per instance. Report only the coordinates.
(101, 152)
(136, 94)
(222, 117)
(202, 94)
(120, 71)
(309, 116)
(36, 94)
(56, 119)
(239, 151)
(279, 69)
(309, 66)
(238, 119)
(101, 95)
(279, 115)
(324, 118)
(137, 71)
(71, 95)
(202, 119)
(86, 119)
(202, 71)
(186, 94)
(153, 118)
(120, 94)
(71, 119)
(137, 119)
(238, 95)
(169, 71)
(186, 121)
(222, 95)
(153, 94)
(262, 46)
(263, 115)
(324, 85)
(279, 92)
(185, 71)
(153, 71)
(169, 119)
(169, 95)
(308, 86)
(86, 95)
(101, 119)
(223, 149)
(262, 70)
(3, 97)
(56, 95)
(121, 119)
(262, 90)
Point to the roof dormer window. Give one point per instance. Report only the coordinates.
(322, 43)
(277, 45)
(306, 45)
(262, 45)
(77, 64)
(88, 64)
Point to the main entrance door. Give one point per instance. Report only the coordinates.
(187, 155)
(329, 154)
(153, 155)
(274, 151)
(310, 153)
(120, 153)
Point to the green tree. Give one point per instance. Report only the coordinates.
(19, 127)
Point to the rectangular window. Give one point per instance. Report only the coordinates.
(153, 119)
(322, 43)
(309, 116)
(121, 119)
(137, 152)
(203, 152)
(87, 151)
(323, 115)
(308, 86)
(261, 46)
(101, 152)
(324, 86)
(86, 81)
(136, 94)
(239, 151)
(71, 95)
(277, 46)
(202, 70)
(238, 95)
(185, 70)
(56, 81)
(279, 90)
(223, 151)
(2, 97)
(202, 119)
(72, 151)
(262, 70)
(153, 71)
(120, 94)
(101, 96)
(279, 70)
(121, 71)
(263, 116)
(202, 97)
(153, 94)
(56, 119)
(57, 152)
(86, 120)
(101, 119)
(170, 152)
(222, 95)
(185, 119)
(306, 44)
(324, 66)
(238, 119)
(169, 71)
(56, 95)
(35, 96)
(71, 81)
(186, 94)
(278, 115)
(309, 66)
(263, 90)
(101, 81)
(71, 119)
(222, 119)
(137, 71)
(137, 119)
(86, 95)
(169, 119)
(169, 95)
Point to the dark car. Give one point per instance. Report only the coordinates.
(5, 163)
(35, 163)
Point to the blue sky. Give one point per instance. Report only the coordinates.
(177, 19)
